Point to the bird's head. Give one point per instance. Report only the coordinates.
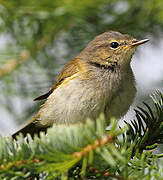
(111, 48)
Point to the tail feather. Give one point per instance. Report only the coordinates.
(30, 129)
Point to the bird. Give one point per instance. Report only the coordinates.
(98, 80)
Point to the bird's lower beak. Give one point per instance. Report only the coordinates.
(136, 43)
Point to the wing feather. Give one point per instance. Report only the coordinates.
(71, 68)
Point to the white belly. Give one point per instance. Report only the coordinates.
(71, 103)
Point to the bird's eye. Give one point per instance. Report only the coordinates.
(114, 45)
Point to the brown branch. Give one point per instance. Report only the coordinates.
(106, 173)
(98, 143)
(11, 65)
(11, 164)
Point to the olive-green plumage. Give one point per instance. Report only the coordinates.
(98, 80)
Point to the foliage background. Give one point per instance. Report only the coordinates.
(38, 37)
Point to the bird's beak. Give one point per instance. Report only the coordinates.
(136, 43)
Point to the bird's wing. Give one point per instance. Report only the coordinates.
(68, 73)
(70, 69)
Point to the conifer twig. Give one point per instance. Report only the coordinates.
(97, 143)
(106, 173)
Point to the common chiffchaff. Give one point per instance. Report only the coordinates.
(98, 80)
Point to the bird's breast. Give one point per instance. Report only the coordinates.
(82, 98)
(72, 103)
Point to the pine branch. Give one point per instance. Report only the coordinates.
(57, 152)
(147, 129)
(85, 150)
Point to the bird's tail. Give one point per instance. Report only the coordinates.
(30, 129)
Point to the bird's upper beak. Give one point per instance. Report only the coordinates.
(136, 43)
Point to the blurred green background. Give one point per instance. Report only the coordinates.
(38, 37)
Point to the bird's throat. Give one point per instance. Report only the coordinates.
(108, 66)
